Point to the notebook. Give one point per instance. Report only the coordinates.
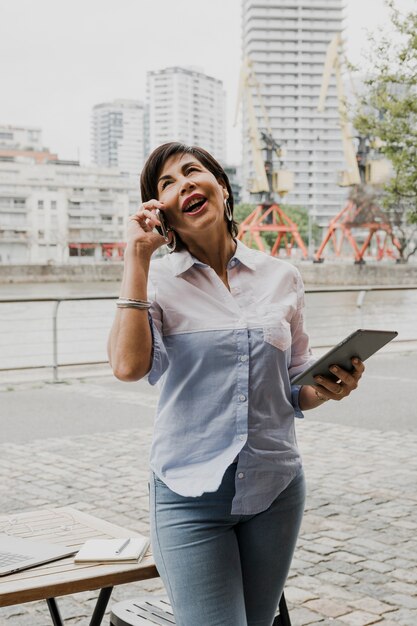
(17, 553)
(124, 549)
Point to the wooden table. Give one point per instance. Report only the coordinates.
(71, 528)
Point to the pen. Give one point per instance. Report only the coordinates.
(123, 546)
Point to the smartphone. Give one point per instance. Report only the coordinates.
(163, 228)
(361, 343)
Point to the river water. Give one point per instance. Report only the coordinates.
(83, 326)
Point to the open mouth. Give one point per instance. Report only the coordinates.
(195, 206)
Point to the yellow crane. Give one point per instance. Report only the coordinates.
(371, 171)
(360, 220)
(268, 215)
(280, 181)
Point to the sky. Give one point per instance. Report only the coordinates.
(58, 58)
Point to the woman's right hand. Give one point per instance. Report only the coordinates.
(140, 228)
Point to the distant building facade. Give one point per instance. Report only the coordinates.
(23, 142)
(118, 135)
(21, 137)
(234, 175)
(58, 212)
(287, 43)
(186, 105)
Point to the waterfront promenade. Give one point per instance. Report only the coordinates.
(85, 443)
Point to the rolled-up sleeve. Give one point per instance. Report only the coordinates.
(160, 360)
(301, 355)
(295, 395)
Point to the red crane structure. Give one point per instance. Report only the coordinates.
(268, 216)
(360, 220)
(360, 223)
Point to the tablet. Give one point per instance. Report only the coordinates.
(361, 344)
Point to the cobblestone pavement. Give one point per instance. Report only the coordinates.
(356, 561)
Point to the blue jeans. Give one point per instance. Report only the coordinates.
(221, 569)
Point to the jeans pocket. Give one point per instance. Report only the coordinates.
(278, 335)
(158, 482)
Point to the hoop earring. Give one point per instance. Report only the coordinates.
(171, 245)
(227, 210)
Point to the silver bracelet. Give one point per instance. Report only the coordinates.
(131, 303)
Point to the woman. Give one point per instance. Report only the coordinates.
(224, 334)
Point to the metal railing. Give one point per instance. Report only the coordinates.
(57, 332)
(10, 326)
(385, 307)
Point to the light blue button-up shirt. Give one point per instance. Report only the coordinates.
(224, 361)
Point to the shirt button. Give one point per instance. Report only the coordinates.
(241, 437)
(241, 475)
(242, 398)
(243, 358)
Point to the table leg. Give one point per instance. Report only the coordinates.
(54, 611)
(101, 605)
(98, 613)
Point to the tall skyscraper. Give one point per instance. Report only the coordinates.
(118, 135)
(188, 106)
(287, 42)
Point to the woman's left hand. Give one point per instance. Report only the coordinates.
(328, 389)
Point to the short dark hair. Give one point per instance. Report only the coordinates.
(157, 159)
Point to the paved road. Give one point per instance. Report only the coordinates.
(385, 400)
(86, 444)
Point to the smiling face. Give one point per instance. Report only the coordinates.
(193, 198)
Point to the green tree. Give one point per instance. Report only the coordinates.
(242, 210)
(388, 111)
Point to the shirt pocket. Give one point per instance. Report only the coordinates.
(278, 334)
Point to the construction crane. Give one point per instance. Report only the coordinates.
(268, 216)
(351, 175)
(361, 211)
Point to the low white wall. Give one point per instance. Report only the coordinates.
(336, 274)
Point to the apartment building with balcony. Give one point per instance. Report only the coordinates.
(23, 143)
(119, 135)
(287, 42)
(59, 212)
(187, 105)
(21, 137)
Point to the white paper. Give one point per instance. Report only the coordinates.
(105, 550)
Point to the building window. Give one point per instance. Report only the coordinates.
(53, 205)
(40, 204)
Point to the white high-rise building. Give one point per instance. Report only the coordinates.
(118, 135)
(287, 40)
(188, 106)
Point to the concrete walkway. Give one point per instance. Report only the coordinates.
(356, 561)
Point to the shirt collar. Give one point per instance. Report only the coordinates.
(182, 261)
(245, 255)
